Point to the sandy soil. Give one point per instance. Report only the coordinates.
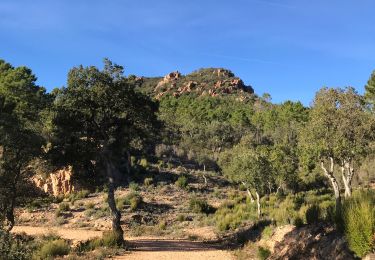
(144, 247)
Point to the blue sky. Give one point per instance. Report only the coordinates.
(287, 48)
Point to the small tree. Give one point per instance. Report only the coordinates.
(99, 119)
(21, 104)
(249, 166)
(338, 133)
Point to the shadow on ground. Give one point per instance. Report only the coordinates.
(154, 245)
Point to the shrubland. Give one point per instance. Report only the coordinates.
(223, 156)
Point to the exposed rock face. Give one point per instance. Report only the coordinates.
(212, 82)
(58, 182)
(312, 242)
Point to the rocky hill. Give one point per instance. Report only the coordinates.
(204, 82)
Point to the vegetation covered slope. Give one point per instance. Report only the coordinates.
(281, 163)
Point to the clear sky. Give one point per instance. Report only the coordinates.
(288, 48)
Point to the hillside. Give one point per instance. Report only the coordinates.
(203, 82)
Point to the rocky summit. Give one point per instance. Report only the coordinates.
(212, 82)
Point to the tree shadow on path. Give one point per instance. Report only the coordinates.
(154, 245)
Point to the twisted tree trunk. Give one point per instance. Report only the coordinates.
(347, 178)
(112, 173)
(248, 192)
(258, 203)
(334, 184)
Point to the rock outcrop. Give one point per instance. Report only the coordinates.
(58, 183)
(312, 242)
(212, 82)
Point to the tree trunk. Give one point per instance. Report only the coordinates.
(10, 209)
(334, 184)
(345, 180)
(116, 214)
(204, 175)
(249, 193)
(258, 203)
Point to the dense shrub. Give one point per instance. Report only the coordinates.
(182, 182)
(109, 239)
(133, 199)
(312, 214)
(78, 195)
(263, 253)
(298, 222)
(358, 217)
(231, 215)
(63, 206)
(200, 206)
(51, 249)
(13, 247)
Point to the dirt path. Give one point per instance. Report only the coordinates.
(145, 248)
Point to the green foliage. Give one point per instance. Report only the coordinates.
(134, 186)
(358, 215)
(181, 218)
(267, 232)
(13, 247)
(89, 205)
(263, 253)
(63, 206)
(200, 206)
(133, 199)
(230, 215)
(21, 133)
(144, 163)
(109, 239)
(312, 214)
(370, 90)
(182, 182)
(51, 249)
(148, 181)
(79, 195)
(298, 222)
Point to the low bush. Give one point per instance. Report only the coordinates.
(109, 239)
(90, 205)
(200, 206)
(60, 221)
(358, 216)
(230, 215)
(267, 232)
(313, 214)
(263, 253)
(148, 181)
(78, 195)
(51, 249)
(182, 182)
(134, 186)
(181, 218)
(133, 199)
(13, 247)
(63, 206)
(298, 222)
